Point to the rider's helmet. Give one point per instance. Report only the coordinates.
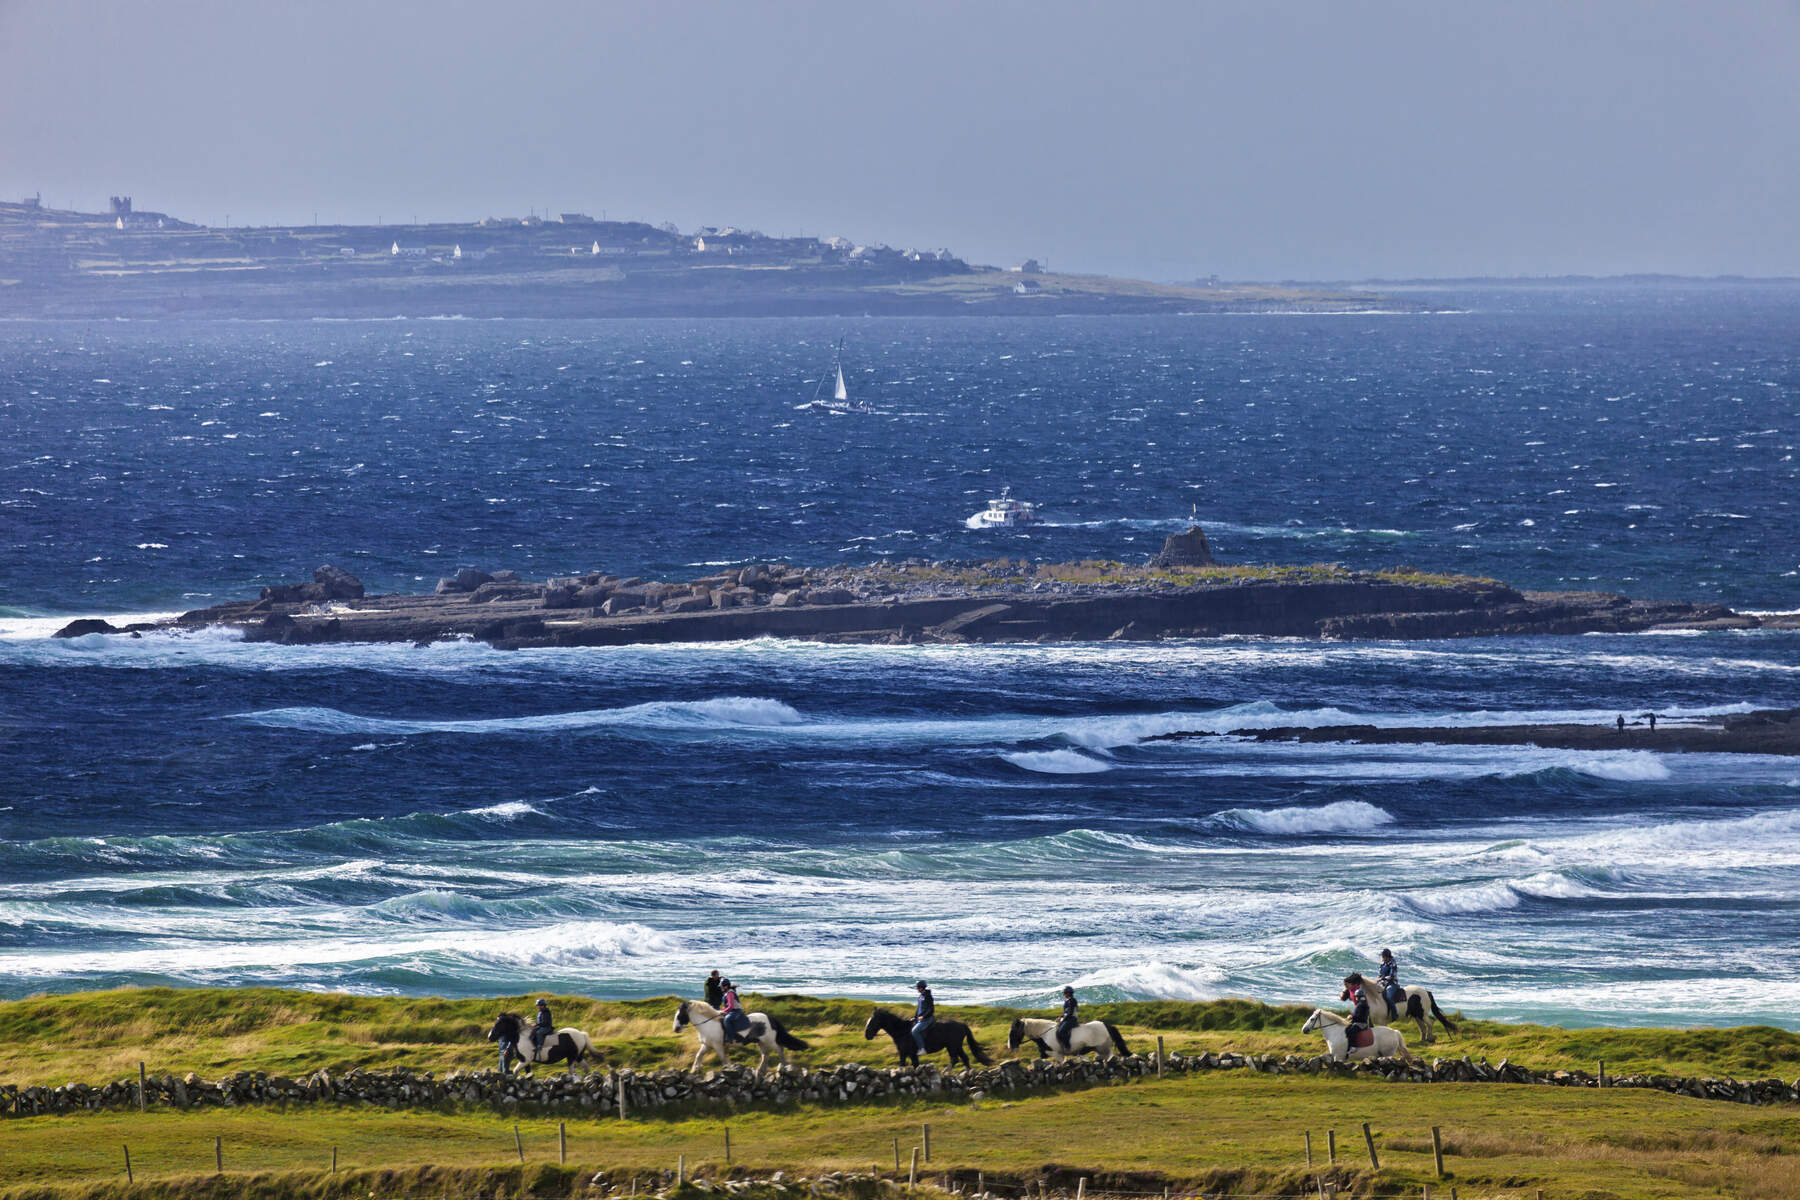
(1386, 953)
(542, 1003)
(1068, 991)
(920, 985)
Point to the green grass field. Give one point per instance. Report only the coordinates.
(1226, 1131)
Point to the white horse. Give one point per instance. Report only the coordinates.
(765, 1033)
(1099, 1036)
(1388, 1043)
(1419, 1005)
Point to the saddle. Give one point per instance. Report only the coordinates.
(752, 1032)
(1361, 1038)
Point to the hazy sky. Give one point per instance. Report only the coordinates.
(1255, 139)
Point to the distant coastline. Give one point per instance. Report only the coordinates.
(130, 263)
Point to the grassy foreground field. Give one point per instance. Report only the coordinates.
(1231, 1131)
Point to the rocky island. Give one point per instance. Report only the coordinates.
(1181, 592)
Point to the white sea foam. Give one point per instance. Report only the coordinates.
(1057, 762)
(1156, 981)
(36, 628)
(1343, 816)
(511, 810)
(721, 713)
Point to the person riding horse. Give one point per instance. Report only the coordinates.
(924, 1013)
(1389, 979)
(1071, 1017)
(715, 989)
(1359, 1015)
(544, 1028)
(731, 1013)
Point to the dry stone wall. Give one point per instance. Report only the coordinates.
(555, 1090)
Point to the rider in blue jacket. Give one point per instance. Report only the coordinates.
(1389, 979)
(923, 1015)
(1071, 1017)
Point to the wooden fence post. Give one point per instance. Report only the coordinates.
(219, 1154)
(1331, 1146)
(1308, 1136)
(728, 1145)
(1081, 1188)
(562, 1142)
(1603, 1072)
(334, 1160)
(680, 1169)
(519, 1143)
(896, 1156)
(1437, 1151)
(1159, 1056)
(141, 1082)
(928, 1141)
(128, 1175)
(981, 1184)
(912, 1174)
(1369, 1141)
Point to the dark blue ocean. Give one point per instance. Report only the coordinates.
(454, 819)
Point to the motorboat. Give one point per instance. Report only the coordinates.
(1005, 512)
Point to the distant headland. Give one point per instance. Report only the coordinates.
(128, 262)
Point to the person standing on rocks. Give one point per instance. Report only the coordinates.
(715, 989)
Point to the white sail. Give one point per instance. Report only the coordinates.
(842, 395)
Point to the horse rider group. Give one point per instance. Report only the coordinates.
(1391, 991)
(539, 1034)
(925, 1012)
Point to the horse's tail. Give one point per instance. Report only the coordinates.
(1118, 1042)
(1439, 1014)
(975, 1048)
(783, 1038)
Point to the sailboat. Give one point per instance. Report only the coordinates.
(840, 397)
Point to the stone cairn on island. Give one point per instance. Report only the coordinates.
(847, 1083)
(1187, 549)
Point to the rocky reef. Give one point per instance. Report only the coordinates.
(1181, 592)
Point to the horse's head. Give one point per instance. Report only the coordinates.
(681, 1017)
(1016, 1034)
(874, 1025)
(1314, 1022)
(506, 1028)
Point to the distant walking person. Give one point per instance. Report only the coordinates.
(715, 989)
(1621, 722)
(1652, 717)
(923, 1014)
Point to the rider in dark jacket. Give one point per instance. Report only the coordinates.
(923, 1014)
(1389, 979)
(1359, 1015)
(543, 1030)
(1071, 1017)
(715, 989)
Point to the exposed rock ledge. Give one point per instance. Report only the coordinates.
(916, 601)
(1765, 731)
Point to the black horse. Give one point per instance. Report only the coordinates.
(939, 1035)
(570, 1044)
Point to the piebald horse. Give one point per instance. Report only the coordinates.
(1099, 1036)
(570, 1044)
(1419, 1005)
(1387, 1042)
(765, 1033)
(939, 1035)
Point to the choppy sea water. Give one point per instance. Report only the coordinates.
(841, 820)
